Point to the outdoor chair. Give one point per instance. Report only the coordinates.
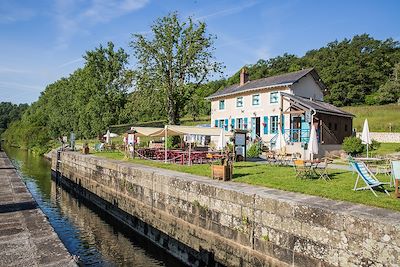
(302, 171)
(323, 171)
(367, 176)
(99, 147)
(395, 176)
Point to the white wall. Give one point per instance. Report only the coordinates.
(307, 87)
(248, 110)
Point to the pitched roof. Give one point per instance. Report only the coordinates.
(269, 82)
(318, 106)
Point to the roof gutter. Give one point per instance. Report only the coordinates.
(250, 90)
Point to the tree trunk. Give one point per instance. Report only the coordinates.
(172, 114)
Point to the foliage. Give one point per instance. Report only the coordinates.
(177, 59)
(86, 102)
(253, 151)
(375, 145)
(352, 69)
(352, 145)
(10, 112)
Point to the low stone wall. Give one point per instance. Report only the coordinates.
(238, 224)
(384, 137)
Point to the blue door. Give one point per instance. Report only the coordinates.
(253, 128)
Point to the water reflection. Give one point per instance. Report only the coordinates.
(85, 231)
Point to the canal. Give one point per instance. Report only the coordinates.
(86, 231)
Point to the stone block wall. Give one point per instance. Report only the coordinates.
(242, 225)
(384, 137)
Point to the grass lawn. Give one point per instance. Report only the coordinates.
(380, 118)
(339, 188)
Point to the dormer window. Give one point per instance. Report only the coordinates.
(221, 104)
(273, 97)
(256, 100)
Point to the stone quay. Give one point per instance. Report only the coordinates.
(26, 236)
(206, 222)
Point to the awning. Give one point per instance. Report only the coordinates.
(172, 130)
(144, 131)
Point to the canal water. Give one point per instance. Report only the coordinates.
(86, 231)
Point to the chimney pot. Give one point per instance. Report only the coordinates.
(244, 76)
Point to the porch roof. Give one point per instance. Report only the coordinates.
(318, 106)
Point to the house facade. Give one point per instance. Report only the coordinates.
(287, 103)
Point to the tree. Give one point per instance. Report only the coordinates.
(178, 54)
(10, 112)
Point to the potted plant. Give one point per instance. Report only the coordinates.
(85, 148)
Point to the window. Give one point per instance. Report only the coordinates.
(256, 100)
(330, 126)
(239, 102)
(273, 97)
(345, 128)
(222, 104)
(335, 126)
(274, 124)
(221, 124)
(239, 123)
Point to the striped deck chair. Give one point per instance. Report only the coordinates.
(395, 176)
(367, 176)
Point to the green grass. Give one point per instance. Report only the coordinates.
(379, 117)
(386, 148)
(339, 188)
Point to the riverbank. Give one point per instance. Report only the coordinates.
(233, 223)
(26, 236)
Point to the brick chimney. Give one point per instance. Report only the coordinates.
(244, 76)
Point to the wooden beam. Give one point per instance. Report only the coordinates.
(294, 112)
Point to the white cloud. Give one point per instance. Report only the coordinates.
(11, 12)
(20, 86)
(12, 70)
(77, 60)
(74, 16)
(228, 11)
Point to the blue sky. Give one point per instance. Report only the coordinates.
(42, 41)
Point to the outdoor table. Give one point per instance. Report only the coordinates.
(313, 166)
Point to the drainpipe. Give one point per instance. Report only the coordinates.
(313, 112)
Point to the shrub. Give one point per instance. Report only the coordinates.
(375, 145)
(352, 145)
(253, 151)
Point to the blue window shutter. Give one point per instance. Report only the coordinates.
(233, 124)
(283, 123)
(226, 124)
(245, 123)
(216, 123)
(265, 124)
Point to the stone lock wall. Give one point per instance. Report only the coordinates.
(242, 225)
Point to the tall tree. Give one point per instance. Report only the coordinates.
(178, 54)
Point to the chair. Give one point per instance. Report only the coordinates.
(323, 171)
(367, 176)
(302, 171)
(395, 176)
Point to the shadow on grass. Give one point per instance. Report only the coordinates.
(238, 175)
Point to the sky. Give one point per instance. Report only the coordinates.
(42, 41)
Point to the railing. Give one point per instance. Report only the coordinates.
(297, 135)
(293, 136)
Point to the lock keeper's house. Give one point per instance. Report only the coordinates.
(287, 102)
